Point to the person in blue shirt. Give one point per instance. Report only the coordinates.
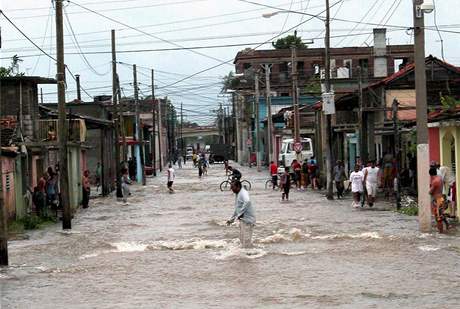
(244, 212)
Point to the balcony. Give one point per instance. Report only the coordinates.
(47, 130)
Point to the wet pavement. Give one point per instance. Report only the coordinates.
(174, 251)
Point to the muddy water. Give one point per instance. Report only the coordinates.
(174, 251)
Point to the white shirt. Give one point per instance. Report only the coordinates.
(372, 175)
(171, 174)
(356, 179)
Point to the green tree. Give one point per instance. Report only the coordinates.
(229, 82)
(289, 41)
(9, 71)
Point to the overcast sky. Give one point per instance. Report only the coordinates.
(194, 23)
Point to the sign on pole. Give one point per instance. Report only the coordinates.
(298, 147)
(328, 103)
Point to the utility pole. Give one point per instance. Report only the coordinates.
(295, 97)
(154, 141)
(62, 125)
(327, 82)
(423, 178)
(181, 129)
(269, 113)
(397, 152)
(257, 95)
(160, 135)
(77, 78)
(3, 211)
(41, 95)
(122, 124)
(138, 134)
(116, 107)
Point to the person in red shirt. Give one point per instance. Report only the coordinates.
(297, 168)
(274, 174)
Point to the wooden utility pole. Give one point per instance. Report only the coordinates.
(397, 153)
(138, 134)
(160, 135)
(182, 150)
(295, 92)
(268, 100)
(116, 106)
(62, 125)
(423, 178)
(256, 117)
(41, 95)
(154, 143)
(3, 211)
(327, 84)
(122, 124)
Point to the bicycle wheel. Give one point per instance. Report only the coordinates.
(225, 185)
(268, 184)
(246, 184)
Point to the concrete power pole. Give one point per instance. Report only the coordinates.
(271, 155)
(138, 134)
(62, 125)
(116, 106)
(257, 95)
(154, 141)
(423, 178)
(3, 213)
(327, 83)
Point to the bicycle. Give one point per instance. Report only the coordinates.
(269, 182)
(226, 184)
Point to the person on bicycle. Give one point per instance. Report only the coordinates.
(274, 174)
(234, 173)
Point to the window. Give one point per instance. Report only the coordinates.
(246, 66)
(364, 64)
(306, 146)
(348, 63)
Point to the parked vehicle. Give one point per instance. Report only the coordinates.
(189, 152)
(220, 153)
(287, 153)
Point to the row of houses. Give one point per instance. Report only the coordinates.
(375, 107)
(29, 140)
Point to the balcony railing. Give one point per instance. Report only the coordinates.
(48, 130)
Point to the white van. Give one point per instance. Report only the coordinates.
(287, 153)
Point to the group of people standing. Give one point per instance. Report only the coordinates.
(46, 194)
(443, 190)
(364, 184)
(201, 161)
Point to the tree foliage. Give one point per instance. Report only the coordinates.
(289, 41)
(9, 71)
(229, 82)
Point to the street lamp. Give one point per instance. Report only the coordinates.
(423, 179)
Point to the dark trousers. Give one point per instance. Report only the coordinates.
(85, 201)
(340, 188)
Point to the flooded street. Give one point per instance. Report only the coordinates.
(175, 251)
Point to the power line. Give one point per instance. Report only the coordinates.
(382, 23)
(77, 45)
(146, 33)
(44, 37)
(437, 29)
(218, 65)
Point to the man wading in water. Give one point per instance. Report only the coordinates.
(244, 212)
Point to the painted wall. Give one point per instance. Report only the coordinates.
(21, 209)
(9, 195)
(433, 141)
(450, 153)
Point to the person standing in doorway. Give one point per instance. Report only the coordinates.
(171, 177)
(86, 189)
(356, 180)
(244, 212)
(371, 180)
(339, 178)
(98, 175)
(125, 182)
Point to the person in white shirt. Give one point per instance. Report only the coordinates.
(244, 212)
(171, 177)
(371, 180)
(356, 180)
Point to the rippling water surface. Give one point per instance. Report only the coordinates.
(174, 251)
